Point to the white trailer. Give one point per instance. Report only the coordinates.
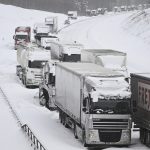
(66, 51)
(94, 102)
(72, 14)
(52, 22)
(112, 59)
(41, 29)
(45, 41)
(31, 59)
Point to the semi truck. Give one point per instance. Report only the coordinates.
(112, 59)
(52, 22)
(22, 34)
(66, 51)
(45, 41)
(40, 29)
(140, 100)
(72, 14)
(47, 86)
(31, 59)
(94, 102)
(60, 51)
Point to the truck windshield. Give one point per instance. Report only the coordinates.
(36, 64)
(110, 107)
(112, 61)
(21, 37)
(71, 58)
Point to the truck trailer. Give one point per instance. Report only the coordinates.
(72, 14)
(94, 102)
(22, 35)
(31, 59)
(45, 41)
(112, 59)
(66, 51)
(60, 51)
(52, 22)
(140, 88)
(39, 30)
(47, 86)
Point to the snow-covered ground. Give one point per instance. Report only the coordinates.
(96, 32)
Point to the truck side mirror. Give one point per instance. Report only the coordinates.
(84, 102)
(84, 109)
(14, 37)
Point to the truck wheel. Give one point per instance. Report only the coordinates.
(148, 138)
(25, 83)
(63, 119)
(84, 139)
(22, 79)
(42, 101)
(60, 117)
(75, 132)
(143, 135)
(65, 122)
(17, 72)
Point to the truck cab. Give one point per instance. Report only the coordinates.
(106, 111)
(95, 102)
(107, 58)
(31, 60)
(22, 35)
(72, 14)
(66, 51)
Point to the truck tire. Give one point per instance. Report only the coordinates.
(22, 79)
(75, 131)
(60, 117)
(65, 121)
(148, 138)
(17, 72)
(24, 82)
(143, 135)
(20, 75)
(84, 139)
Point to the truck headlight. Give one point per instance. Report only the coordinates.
(125, 134)
(29, 80)
(91, 134)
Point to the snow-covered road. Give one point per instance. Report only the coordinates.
(11, 134)
(96, 32)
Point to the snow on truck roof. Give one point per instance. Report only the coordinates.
(23, 28)
(104, 51)
(88, 69)
(145, 75)
(35, 52)
(67, 43)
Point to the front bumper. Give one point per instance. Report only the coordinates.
(108, 137)
(33, 82)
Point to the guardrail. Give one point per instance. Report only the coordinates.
(34, 140)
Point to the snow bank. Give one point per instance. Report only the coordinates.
(138, 24)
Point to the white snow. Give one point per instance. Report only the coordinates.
(97, 32)
(39, 55)
(109, 88)
(113, 62)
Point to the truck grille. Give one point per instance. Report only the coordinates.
(110, 135)
(110, 123)
(38, 76)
